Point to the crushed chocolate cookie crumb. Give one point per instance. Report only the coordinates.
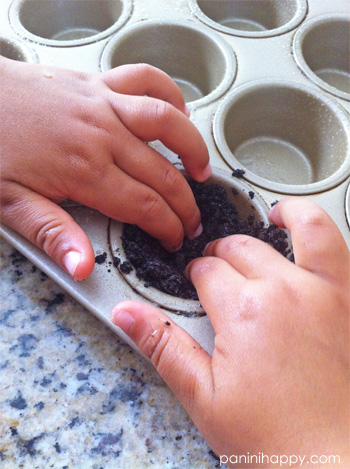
(251, 194)
(167, 323)
(126, 267)
(101, 258)
(274, 203)
(165, 271)
(116, 261)
(238, 173)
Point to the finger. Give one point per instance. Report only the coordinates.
(178, 358)
(218, 286)
(250, 256)
(144, 79)
(147, 166)
(152, 119)
(317, 242)
(48, 227)
(119, 196)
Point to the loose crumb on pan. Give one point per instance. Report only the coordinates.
(238, 173)
(101, 258)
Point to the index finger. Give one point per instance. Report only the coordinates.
(153, 119)
(317, 242)
(144, 79)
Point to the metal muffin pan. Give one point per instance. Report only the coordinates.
(321, 49)
(15, 49)
(245, 204)
(285, 135)
(250, 18)
(203, 72)
(268, 86)
(65, 23)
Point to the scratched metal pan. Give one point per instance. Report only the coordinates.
(268, 86)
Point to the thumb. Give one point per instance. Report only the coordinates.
(183, 364)
(48, 227)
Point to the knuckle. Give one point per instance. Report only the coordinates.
(250, 304)
(82, 172)
(163, 112)
(155, 345)
(48, 236)
(317, 219)
(286, 290)
(203, 267)
(234, 243)
(173, 181)
(145, 69)
(152, 206)
(7, 196)
(98, 123)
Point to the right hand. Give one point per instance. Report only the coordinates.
(277, 382)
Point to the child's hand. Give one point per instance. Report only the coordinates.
(278, 380)
(67, 134)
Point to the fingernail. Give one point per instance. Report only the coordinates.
(187, 271)
(205, 249)
(71, 261)
(187, 111)
(207, 172)
(171, 248)
(123, 319)
(197, 233)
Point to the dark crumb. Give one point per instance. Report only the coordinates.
(234, 191)
(126, 267)
(274, 203)
(101, 258)
(238, 173)
(167, 323)
(179, 157)
(116, 261)
(251, 194)
(165, 271)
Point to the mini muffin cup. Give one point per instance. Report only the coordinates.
(199, 60)
(287, 137)
(63, 23)
(245, 206)
(16, 49)
(321, 49)
(250, 18)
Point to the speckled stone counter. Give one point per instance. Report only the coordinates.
(73, 395)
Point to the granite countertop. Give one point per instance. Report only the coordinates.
(73, 395)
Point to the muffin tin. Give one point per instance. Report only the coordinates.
(268, 86)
